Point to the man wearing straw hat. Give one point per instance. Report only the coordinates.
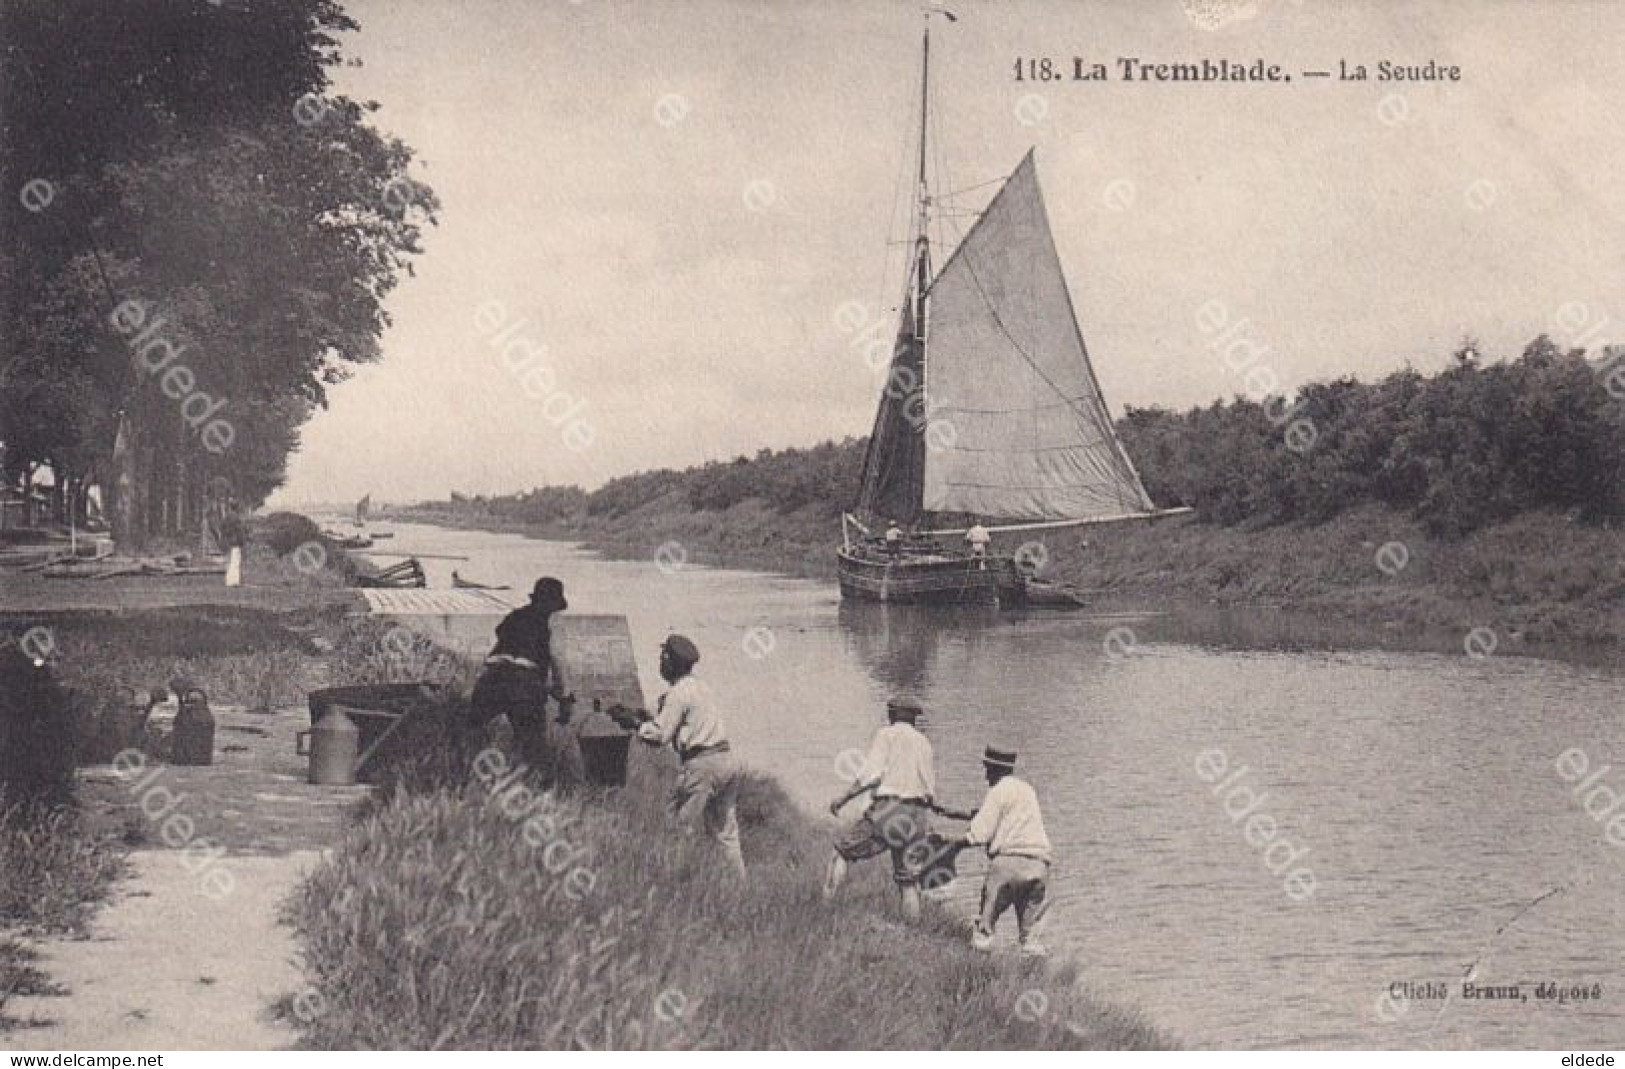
(898, 770)
(1018, 850)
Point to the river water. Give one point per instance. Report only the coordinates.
(1404, 809)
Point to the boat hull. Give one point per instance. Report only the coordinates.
(933, 579)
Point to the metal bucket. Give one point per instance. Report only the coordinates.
(605, 747)
(603, 759)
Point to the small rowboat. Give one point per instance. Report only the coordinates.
(407, 574)
(344, 541)
(460, 583)
(1045, 594)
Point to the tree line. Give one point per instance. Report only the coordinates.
(197, 233)
(1475, 444)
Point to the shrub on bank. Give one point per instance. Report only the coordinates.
(234, 658)
(285, 532)
(52, 867)
(36, 730)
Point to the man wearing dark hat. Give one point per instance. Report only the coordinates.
(520, 672)
(1018, 851)
(898, 771)
(687, 717)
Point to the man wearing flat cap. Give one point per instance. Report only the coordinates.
(898, 772)
(688, 719)
(1009, 825)
(519, 675)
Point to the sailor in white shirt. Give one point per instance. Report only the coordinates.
(977, 537)
(687, 718)
(898, 771)
(1009, 825)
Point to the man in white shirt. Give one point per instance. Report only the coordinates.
(977, 537)
(687, 717)
(1018, 850)
(898, 771)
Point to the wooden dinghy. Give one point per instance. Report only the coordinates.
(405, 575)
(459, 583)
(1045, 594)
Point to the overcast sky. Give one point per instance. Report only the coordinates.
(668, 201)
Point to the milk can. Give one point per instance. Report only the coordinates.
(332, 746)
(124, 722)
(193, 740)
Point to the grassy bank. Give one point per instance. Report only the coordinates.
(54, 864)
(474, 912)
(54, 869)
(1539, 579)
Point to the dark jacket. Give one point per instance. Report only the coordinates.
(525, 633)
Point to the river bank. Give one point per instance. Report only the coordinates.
(1540, 584)
(655, 954)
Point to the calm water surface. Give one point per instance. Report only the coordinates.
(1420, 792)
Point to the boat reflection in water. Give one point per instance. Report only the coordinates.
(899, 644)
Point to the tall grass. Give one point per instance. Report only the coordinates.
(371, 651)
(256, 664)
(20, 977)
(53, 867)
(454, 917)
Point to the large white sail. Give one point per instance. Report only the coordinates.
(1018, 428)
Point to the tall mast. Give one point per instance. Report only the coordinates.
(922, 244)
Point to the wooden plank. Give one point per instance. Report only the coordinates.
(597, 660)
(595, 652)
(386, 601)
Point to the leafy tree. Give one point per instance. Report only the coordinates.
(187, 161)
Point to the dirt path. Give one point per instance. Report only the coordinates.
(190, 955)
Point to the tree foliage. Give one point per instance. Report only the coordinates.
(1472, 446)
(189, 159)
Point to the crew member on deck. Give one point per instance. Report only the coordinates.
(687, 717)
(894, 538)
(520, 672)
(978, 538)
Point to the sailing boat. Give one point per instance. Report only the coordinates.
(991, 411)
(363, 513)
